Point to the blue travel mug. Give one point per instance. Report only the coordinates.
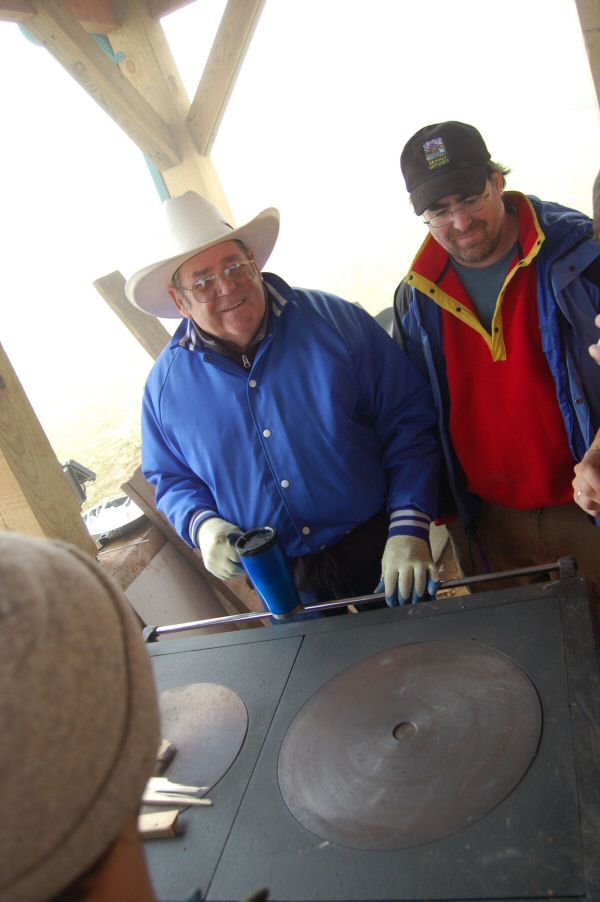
(269, 569)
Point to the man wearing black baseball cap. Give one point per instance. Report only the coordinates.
(498, 309)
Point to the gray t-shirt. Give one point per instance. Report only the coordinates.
(483, 284)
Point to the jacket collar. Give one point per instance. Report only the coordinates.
(196, 339)
(432, 260)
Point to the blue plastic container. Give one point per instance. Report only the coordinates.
(269, 569)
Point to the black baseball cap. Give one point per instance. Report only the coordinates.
(442, 159)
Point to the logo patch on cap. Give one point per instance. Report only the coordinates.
(435, 153)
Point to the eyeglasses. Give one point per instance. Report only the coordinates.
(469, 206)
(205, 289)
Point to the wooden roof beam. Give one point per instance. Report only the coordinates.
(17, 11)
(96, 16)
(221, 70)
(78, 53)
(159, 8)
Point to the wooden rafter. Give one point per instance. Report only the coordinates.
(220, 73)
(79, 54)
(148, 330)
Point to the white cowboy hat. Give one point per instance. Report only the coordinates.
(192, 224)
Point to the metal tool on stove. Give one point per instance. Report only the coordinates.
(565, 567)
(161, 791)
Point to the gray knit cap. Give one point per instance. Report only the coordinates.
(78, 716)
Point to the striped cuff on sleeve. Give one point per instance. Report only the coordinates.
(409, 522)
(198, 518)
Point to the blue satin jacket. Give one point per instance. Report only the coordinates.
(331, 424)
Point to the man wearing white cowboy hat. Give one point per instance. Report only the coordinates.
(283, 407)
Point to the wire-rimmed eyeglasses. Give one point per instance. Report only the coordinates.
(205, 289)
(469, 205)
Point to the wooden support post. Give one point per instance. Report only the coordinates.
(148, 330)
(151, 69)
(589, 18)
(35, 497)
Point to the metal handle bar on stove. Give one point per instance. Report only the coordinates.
(566, 566)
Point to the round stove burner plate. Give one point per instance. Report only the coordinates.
(207, 724)
(410, 745)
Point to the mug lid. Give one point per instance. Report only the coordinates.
(255, 541)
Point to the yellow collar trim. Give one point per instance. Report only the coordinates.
(495, 341)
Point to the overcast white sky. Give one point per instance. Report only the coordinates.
(328, 95)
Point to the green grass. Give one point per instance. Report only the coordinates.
(104, 437)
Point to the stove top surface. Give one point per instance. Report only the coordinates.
(445, 751)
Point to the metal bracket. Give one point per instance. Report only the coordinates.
(567, 567)
(103, 42)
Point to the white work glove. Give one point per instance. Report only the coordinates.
(218, 554)
(408, 572)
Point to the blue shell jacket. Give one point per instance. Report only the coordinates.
(567, 306)
(331, 424)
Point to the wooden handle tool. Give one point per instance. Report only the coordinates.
(158, 824)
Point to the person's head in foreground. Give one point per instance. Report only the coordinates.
(80, 729)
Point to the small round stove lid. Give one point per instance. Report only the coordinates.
(410, 745)
(207, 724)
